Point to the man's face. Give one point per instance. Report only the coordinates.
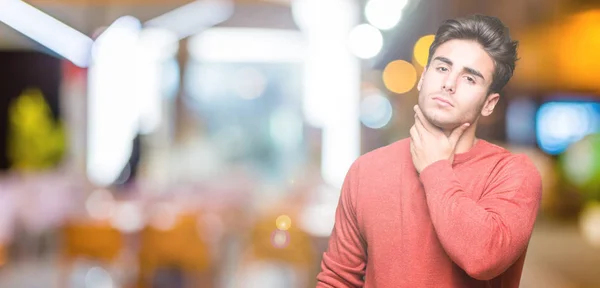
(453, 89)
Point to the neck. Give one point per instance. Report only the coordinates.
(466, 141)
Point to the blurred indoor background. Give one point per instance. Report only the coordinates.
(155, 143)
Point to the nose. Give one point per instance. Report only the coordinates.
(449, 84)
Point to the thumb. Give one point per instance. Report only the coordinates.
(457, 132)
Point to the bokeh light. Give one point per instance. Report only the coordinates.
(375, 111)
(97, 277)
(579, 35)
(365, 41)
(581, 165)
(559, 124)
(128, 217)
(283, 222)
(280, 239)
(399, 76)
(384, 14)
(100, 204)
(589, 223)
(421, 49)
(579, 161)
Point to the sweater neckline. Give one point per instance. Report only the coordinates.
(475, 149)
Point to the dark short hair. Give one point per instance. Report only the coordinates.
(491, 34)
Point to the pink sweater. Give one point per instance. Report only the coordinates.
(465, 224)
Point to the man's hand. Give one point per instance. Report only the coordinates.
(429, 144)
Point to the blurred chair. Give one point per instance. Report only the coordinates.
(179, 248)
(95, 240)
(98, 241)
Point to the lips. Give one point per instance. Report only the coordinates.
(443, 100)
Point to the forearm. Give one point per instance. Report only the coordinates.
(335, 274)
(484, 238)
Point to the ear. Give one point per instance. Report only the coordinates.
(490, 104)
(421, 79)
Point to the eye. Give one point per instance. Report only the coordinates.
(470, 79)
(442, 69)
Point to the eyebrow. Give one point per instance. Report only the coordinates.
(467, 69)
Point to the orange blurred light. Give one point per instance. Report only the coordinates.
(421, 49)
(578, 51)
(399, 76)
(283, 222)
(562, 55)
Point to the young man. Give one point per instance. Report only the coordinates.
(441, 208)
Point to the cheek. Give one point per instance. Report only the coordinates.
(470, 98)
(472, 93)
(471, 106)
(431, 80)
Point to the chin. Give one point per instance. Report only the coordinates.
(445, 125)
(438, 118)
(443, 122)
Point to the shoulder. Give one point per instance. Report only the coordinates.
(386, 155)
(515, 163)
(516, 170)
(520, 167)
(385, 159)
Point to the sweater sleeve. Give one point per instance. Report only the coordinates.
(344, 262)
(486, 236)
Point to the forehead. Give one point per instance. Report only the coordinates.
(467, 53)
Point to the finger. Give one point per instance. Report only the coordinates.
(420, 126)
(421, 117)
(413, 154)
(421, 129)
(457, 133)
(414, 135)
